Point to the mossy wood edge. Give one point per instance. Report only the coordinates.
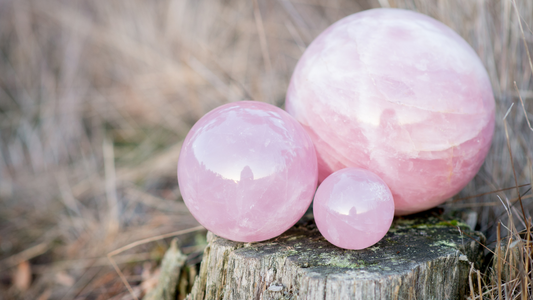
(421, 257)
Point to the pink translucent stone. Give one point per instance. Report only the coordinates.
(247, 171)
(353, 208)
(398, 93)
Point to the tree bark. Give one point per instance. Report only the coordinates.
(421, 257)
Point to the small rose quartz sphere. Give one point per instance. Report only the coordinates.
(353, 208)
(398, 93)
(247, 171)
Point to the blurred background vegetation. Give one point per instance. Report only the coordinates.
(96, 97)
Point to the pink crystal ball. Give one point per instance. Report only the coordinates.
(398, 93)
(247, 171)
(353, 208)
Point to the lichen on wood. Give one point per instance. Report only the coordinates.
(421, 257)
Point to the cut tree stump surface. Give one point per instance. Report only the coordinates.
(421, 257)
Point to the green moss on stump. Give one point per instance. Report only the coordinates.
(423, 256)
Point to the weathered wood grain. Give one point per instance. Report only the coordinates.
(171, 266)
(420, 258)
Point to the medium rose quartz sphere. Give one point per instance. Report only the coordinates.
(247, 171)
(398, 93)
(353, 208)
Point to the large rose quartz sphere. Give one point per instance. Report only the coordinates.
(398, 93)
(247, 171)
(353, 208)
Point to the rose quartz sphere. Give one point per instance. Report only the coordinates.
(247, 171)
(353, 208)
(398, 93)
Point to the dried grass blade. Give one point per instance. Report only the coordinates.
(141, 242)
(527, 258)
(154, 238)
(111, 188)
(523, 106)
(479, 286)
(24, 255)
(262, 37)
(514, 172)
(491, 192)
(499, 260)
(122, 277)
(472, 295)
(523, 36)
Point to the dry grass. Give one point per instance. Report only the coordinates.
(96, 97)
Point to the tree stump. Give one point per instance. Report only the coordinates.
(421, 257)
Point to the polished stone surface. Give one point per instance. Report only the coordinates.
(398, 93)
(247, 171)
(353, 208)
